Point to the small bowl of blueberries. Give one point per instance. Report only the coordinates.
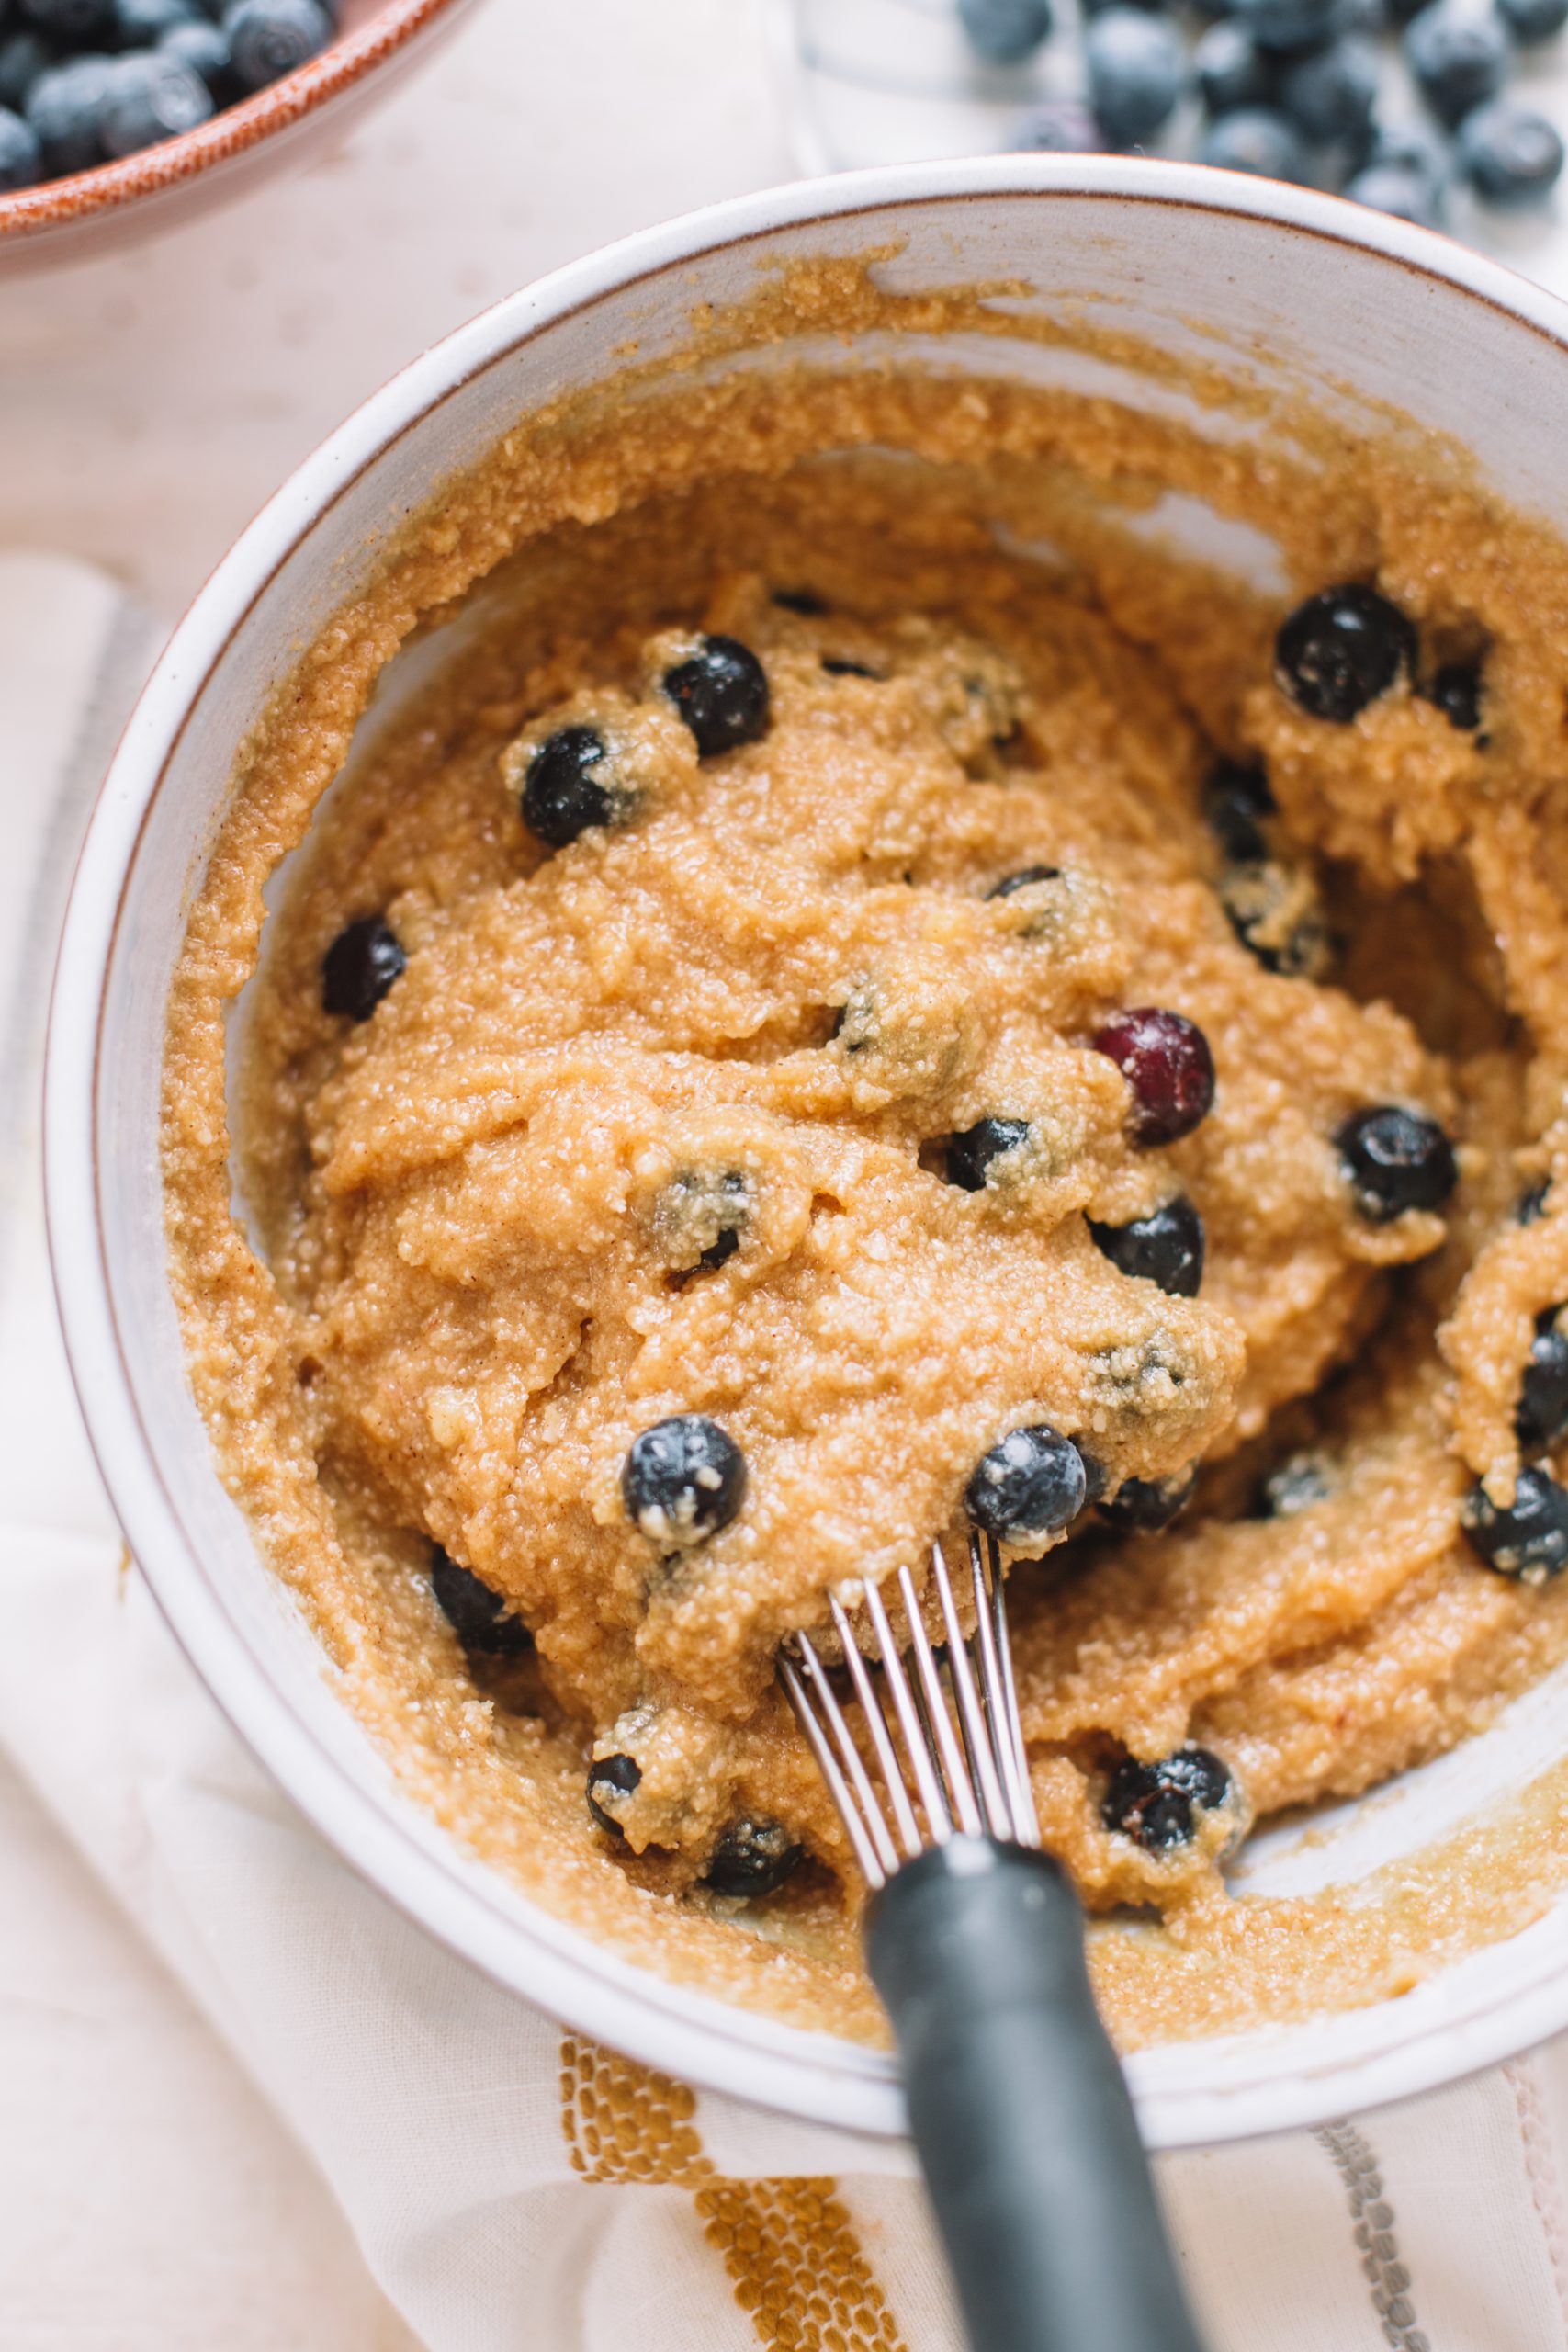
(117, 116)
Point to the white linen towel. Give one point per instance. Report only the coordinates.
(511, 2187)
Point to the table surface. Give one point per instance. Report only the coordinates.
(149, 2201)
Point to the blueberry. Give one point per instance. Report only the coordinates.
(1232, 70)
(611, 1776)
(1341, 649)
(1286, 24)
(1297, 1485)
(360, 967)
(753, 1856)
(1529, 1540)
(21, 158)
(1028, 1487)
(1395, 1159)
(1458, 61)
(1401, 195)
(149, 99)
(683, 1480)
(1256, 140)
(699, 1215)
(205, 49)
(722, 694)
(1543, 1416)
(1329, 95)
(1531, 1207)
(1146, 1505)
(561, 796)
(482, 1620)
(1456, 690)
(23, 57)
(1533, 20)
(64, 110)
(1276, 914)
(805, 601)
(1156, 1804)
(270, 37)
(1025, 880)
(1057, 127)
(1509, 154)
(1237, 805)
(1136, 66)
(1165, 1248)
(1166, 1060)
(73, 23)
(1004, 32)
(141, 24)
(970, 1154)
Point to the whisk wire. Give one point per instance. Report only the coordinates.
(974, 1729)
(908, 1828)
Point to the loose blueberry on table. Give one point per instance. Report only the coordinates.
(1158, 1805)
(683, 1480)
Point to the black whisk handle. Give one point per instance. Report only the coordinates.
(1031, 2151)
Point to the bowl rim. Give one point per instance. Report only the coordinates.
(1442, 2030)
(231, 131)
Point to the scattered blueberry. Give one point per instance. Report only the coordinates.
(270, 37)
(1341, 649)
(1456, 690)
(151, 98)
(141, 24)
(63, 111)
(1329, 95)
(1286, 24)
(1165, 1248)
(1004, 32)
(752, 1858)
(970, 1154)
(1401, 195)
(1529, 1540)
(204, 48)
(1543, 1416)
(481, 1619)
(1136, 66)
(1510, 154)
(1395, 1159)
(611, 1776)
(1147, 1506)
(360, 967)
(1057, 127)
(1256, 140)
(1531, 1207)
(72, 23)
(1166, 1060)
(23, 57)
(1533, 20)
(1028, 1487)
(1237, 805)
(1232, 70)
(21, 158)
(683, 1480)
(1025, 880)
(1458, 60)
(561, 796)
(722, 694)
(1156, 1804)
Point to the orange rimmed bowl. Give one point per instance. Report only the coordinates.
(116, 204)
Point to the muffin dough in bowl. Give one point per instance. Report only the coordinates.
(876, 996)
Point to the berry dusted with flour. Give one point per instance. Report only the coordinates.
(1165, 1248)
(1529, 1539)
(1166, 1061)
(1148, 1506)
(1159, 1805)
(483, 1619)
(1238, 807)
(684, 1479)
(1395, 1159)
(1541, 1418)
(610, 1777)
(1031, 1485)
(563, 794)
(1342, 649)
(971, 1154)
(1455, 689)
(752, 1858)
(359, 968)
(721, 691)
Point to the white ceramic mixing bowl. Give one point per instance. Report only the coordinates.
(1168, 252)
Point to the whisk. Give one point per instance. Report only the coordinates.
(975, 1943)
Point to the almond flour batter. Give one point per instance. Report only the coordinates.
(817, 1032)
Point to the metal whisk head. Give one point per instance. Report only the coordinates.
(946, 1739)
